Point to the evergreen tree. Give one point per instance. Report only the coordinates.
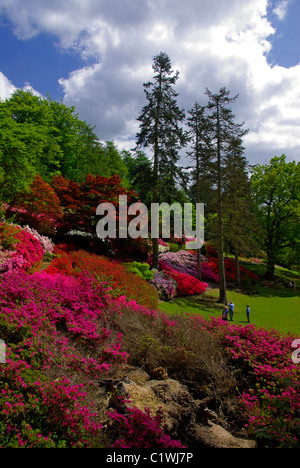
(224, 131)
(160, 128)
(139, 175)
(240, 223)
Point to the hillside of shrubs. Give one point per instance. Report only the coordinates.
(67, 318)
(77, 311)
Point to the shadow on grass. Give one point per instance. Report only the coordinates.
(264, 291)
(196, 304)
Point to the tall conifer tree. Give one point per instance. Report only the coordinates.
(160, 128)
(239, 219)
(224, 131)
(200, 153)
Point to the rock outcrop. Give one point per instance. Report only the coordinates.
(186, 419)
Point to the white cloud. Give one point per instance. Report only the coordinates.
(213, 43)
(281, 8)
(6, 87)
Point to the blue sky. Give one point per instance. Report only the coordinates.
(286, 42)
(38, 61)
(96, 55)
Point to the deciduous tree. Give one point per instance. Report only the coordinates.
(276, 191)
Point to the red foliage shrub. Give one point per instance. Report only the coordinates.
(117, 276)
(39, 208)
(230, 269)
(80, 201)
(210, 251)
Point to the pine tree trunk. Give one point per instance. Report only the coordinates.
(271, 258)
(155, 243)
(237, 268)
(222, 276)
(199, 269)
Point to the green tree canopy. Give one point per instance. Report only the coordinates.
(276, 192)
(45, 137)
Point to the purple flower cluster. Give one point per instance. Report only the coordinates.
(164, 285)
(185, 262)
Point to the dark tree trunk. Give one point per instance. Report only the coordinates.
(237, 267)
(222, 275)
(270, 273)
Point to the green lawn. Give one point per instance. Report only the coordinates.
(270, 308)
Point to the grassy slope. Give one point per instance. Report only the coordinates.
(271, 308)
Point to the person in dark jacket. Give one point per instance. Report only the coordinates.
(248, 313)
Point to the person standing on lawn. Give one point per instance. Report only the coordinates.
(231, 311)
(248, 313)
(225, 314)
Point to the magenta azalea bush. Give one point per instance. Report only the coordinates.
(45, 242)
(62, 336)
(21, 249)
(139, 429)
(46, 321)
(271, 406)
(61, 340)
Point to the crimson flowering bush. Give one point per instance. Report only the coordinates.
(230, 270)
(187, 285)
(208, 274)
(271, 405)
